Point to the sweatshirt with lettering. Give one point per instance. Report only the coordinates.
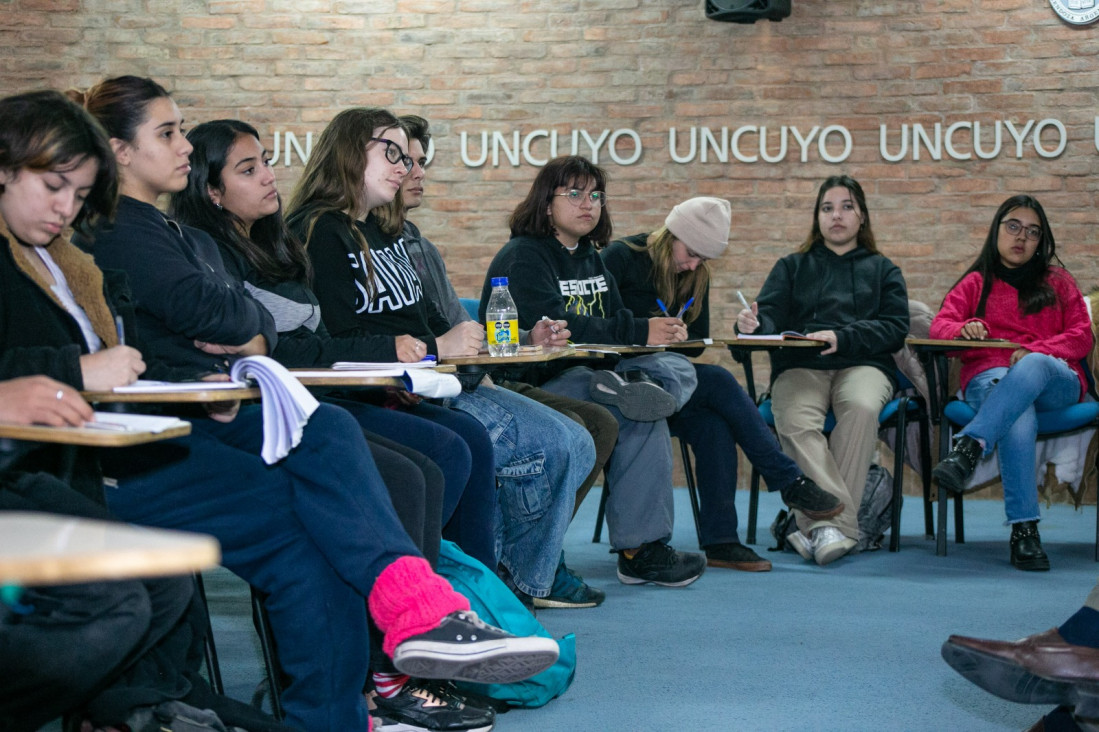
(395, 305)
(545, 279)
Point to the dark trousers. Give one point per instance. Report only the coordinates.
(718, 417)
(312, 532)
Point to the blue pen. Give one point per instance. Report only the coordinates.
(684, 308)
(120, 329)
(663, 307)
(429, 358)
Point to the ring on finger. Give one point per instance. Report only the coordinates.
(60, 395)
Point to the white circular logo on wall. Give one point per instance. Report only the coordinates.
(1077, 12)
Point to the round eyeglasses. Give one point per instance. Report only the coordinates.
(394, 153)
(575, 196)
(1014, 226)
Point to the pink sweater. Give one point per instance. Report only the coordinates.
(1062, 330)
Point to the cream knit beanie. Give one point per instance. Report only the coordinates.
(702, 224)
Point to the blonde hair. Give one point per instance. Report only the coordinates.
(672, 286)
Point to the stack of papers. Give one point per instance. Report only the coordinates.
(287, 405)
(121, 422)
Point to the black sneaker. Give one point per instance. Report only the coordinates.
(660, 564)
(736, 556)
(415, 708)
(464, 648)
(570, 591)
(955, 469)
(812, 500)
(637, 396)
(505, 577)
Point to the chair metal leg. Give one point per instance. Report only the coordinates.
(898, 474)
(925, 471)
(270, 658)
(753, 506)
(940, 534)
(210, 651)
(595, 537)
(959, 520)
(692, 489)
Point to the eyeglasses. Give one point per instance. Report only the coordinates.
(574, 196)
(1014, 226)
(394, 153)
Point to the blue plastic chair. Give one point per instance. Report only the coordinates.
(1050, 424)
(897, 413)
(470, 304)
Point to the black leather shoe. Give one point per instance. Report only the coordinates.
(955, 469)
(806, 496)
(1026, 548)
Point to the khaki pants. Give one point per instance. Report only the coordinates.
(839, 463)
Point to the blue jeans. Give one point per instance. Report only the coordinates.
(719, 416)
(1007, 402)
(312, 531)
(541, 458)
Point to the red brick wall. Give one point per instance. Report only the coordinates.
(505, 66)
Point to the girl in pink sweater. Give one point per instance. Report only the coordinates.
(1014, 292)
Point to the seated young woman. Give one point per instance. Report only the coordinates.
(670, 266)
(552, 252)
(316, 530)
(839, 289)
(368, 289)
(105, 653)
(1016, 290)
(231, 194)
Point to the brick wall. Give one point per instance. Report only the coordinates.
(503, 66)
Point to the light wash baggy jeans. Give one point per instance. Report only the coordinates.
(542, 457)
(639, 473)
(1007, 402)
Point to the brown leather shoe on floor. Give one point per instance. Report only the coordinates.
(736, 556)
(1039, 669)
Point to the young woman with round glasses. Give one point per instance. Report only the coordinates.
(1015, 291)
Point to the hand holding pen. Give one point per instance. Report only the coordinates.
(667, 329)
(547, 332)
(747, 320)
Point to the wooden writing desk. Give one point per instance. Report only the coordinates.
(87, 436)
(46, 549)
(548, 353)
(169, 397)
(363, 378)
(741, 349)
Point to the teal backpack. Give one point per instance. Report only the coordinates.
(494, 603)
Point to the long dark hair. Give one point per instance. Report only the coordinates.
(333, 178)
(44, 130)
(269, 246)
(1035, 292)
(531, 217)
(120, 103)
(865, 236)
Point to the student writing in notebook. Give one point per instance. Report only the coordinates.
(671, 266)
(316, 531)
(837, 288)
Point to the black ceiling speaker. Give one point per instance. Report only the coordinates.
(747, 11)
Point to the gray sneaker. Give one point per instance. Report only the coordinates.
(636, 395)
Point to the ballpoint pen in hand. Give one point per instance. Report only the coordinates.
(684, 308)
(743, 300)
(663, 307)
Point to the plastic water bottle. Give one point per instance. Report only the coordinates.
(502, 320)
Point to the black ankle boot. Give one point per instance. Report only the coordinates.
(1026, 548)
(955, 469)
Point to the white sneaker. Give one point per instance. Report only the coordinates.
(829, 544)
(802, 544)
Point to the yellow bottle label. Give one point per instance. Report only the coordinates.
(502, 332)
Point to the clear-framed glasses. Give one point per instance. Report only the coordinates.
(575, 196)
(394, 153)
(1014, 226)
